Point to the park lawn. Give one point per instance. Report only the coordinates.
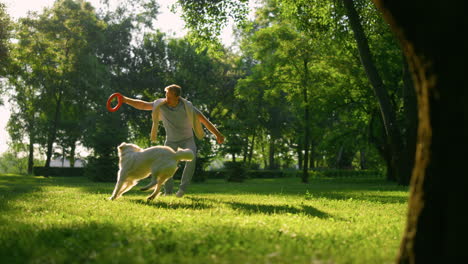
(69, 220)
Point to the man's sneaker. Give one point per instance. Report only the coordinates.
(180, 193)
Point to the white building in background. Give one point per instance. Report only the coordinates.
(61, 162)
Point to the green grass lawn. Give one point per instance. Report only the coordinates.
(70, 220)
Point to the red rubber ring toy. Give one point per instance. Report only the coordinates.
(119, 102)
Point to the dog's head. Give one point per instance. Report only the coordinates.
(126, 148)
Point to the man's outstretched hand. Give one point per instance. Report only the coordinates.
(220, 139)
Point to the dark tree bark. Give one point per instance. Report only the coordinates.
(362, 159)
(432, 36)
(271, 154)
(252, 145)
(299, 153)
(31, 153)
(53, 130)
(311, 155)
(245, 150)
(305, 167)
(410, 124)
(72, 154)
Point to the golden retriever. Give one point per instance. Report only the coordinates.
(136, 163)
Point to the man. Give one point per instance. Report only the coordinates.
(180, 120)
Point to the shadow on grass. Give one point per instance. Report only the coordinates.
(358, 195)
(278, 209)
(376, 190)
(13, 186)
(161, 203)
(96, 242)
(267, 209)
(71, 244)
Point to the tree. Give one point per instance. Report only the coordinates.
(25, 120)
(388, 112)
(5, 33)
(321, 24)
(436, 52)
(206, 18)
(55, 68)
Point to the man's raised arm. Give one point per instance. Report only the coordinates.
(138, 104)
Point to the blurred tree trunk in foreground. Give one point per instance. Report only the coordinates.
(436, 51)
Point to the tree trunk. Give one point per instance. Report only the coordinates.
(338, 157)
(31, 153)
(299, 154)
(386, 108)
(311, 156)
(362, 159)
(265, 160)
(305, 168)
(430, 36)
(382, 146)
(271, 154)
(252, 145)
(245, 150)
(72, 155)
(53, 131)
(411, 125)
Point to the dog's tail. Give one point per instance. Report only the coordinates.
(184, 154)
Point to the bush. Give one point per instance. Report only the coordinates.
(227, 173)
(201, 163)
(335, 173)
(265, 174)
(215, 174)
(102, 169)
(254, 166)
(235, 171)
(58, 171)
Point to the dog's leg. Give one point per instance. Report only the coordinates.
(155, 193)
(120, 184)
(162, 178)
(151, 185)
(123, 186)
(157, 190)
(117, 190)
(128, 185)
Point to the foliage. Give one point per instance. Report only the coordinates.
(258, 221)
(59, 171)
(102, 169)
(104, 139)
(295, 96)
(201, 164)
(5, 34)
(251, 174)
(235, 171)
(206, 18)
(54, 73)
(11, 162)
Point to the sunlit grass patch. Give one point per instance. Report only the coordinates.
(260, 221)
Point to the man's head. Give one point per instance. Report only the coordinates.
(174, 89)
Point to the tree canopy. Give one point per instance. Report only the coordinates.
(295, 95)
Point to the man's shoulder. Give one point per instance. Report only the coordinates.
(158, 102)
(187, 102)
